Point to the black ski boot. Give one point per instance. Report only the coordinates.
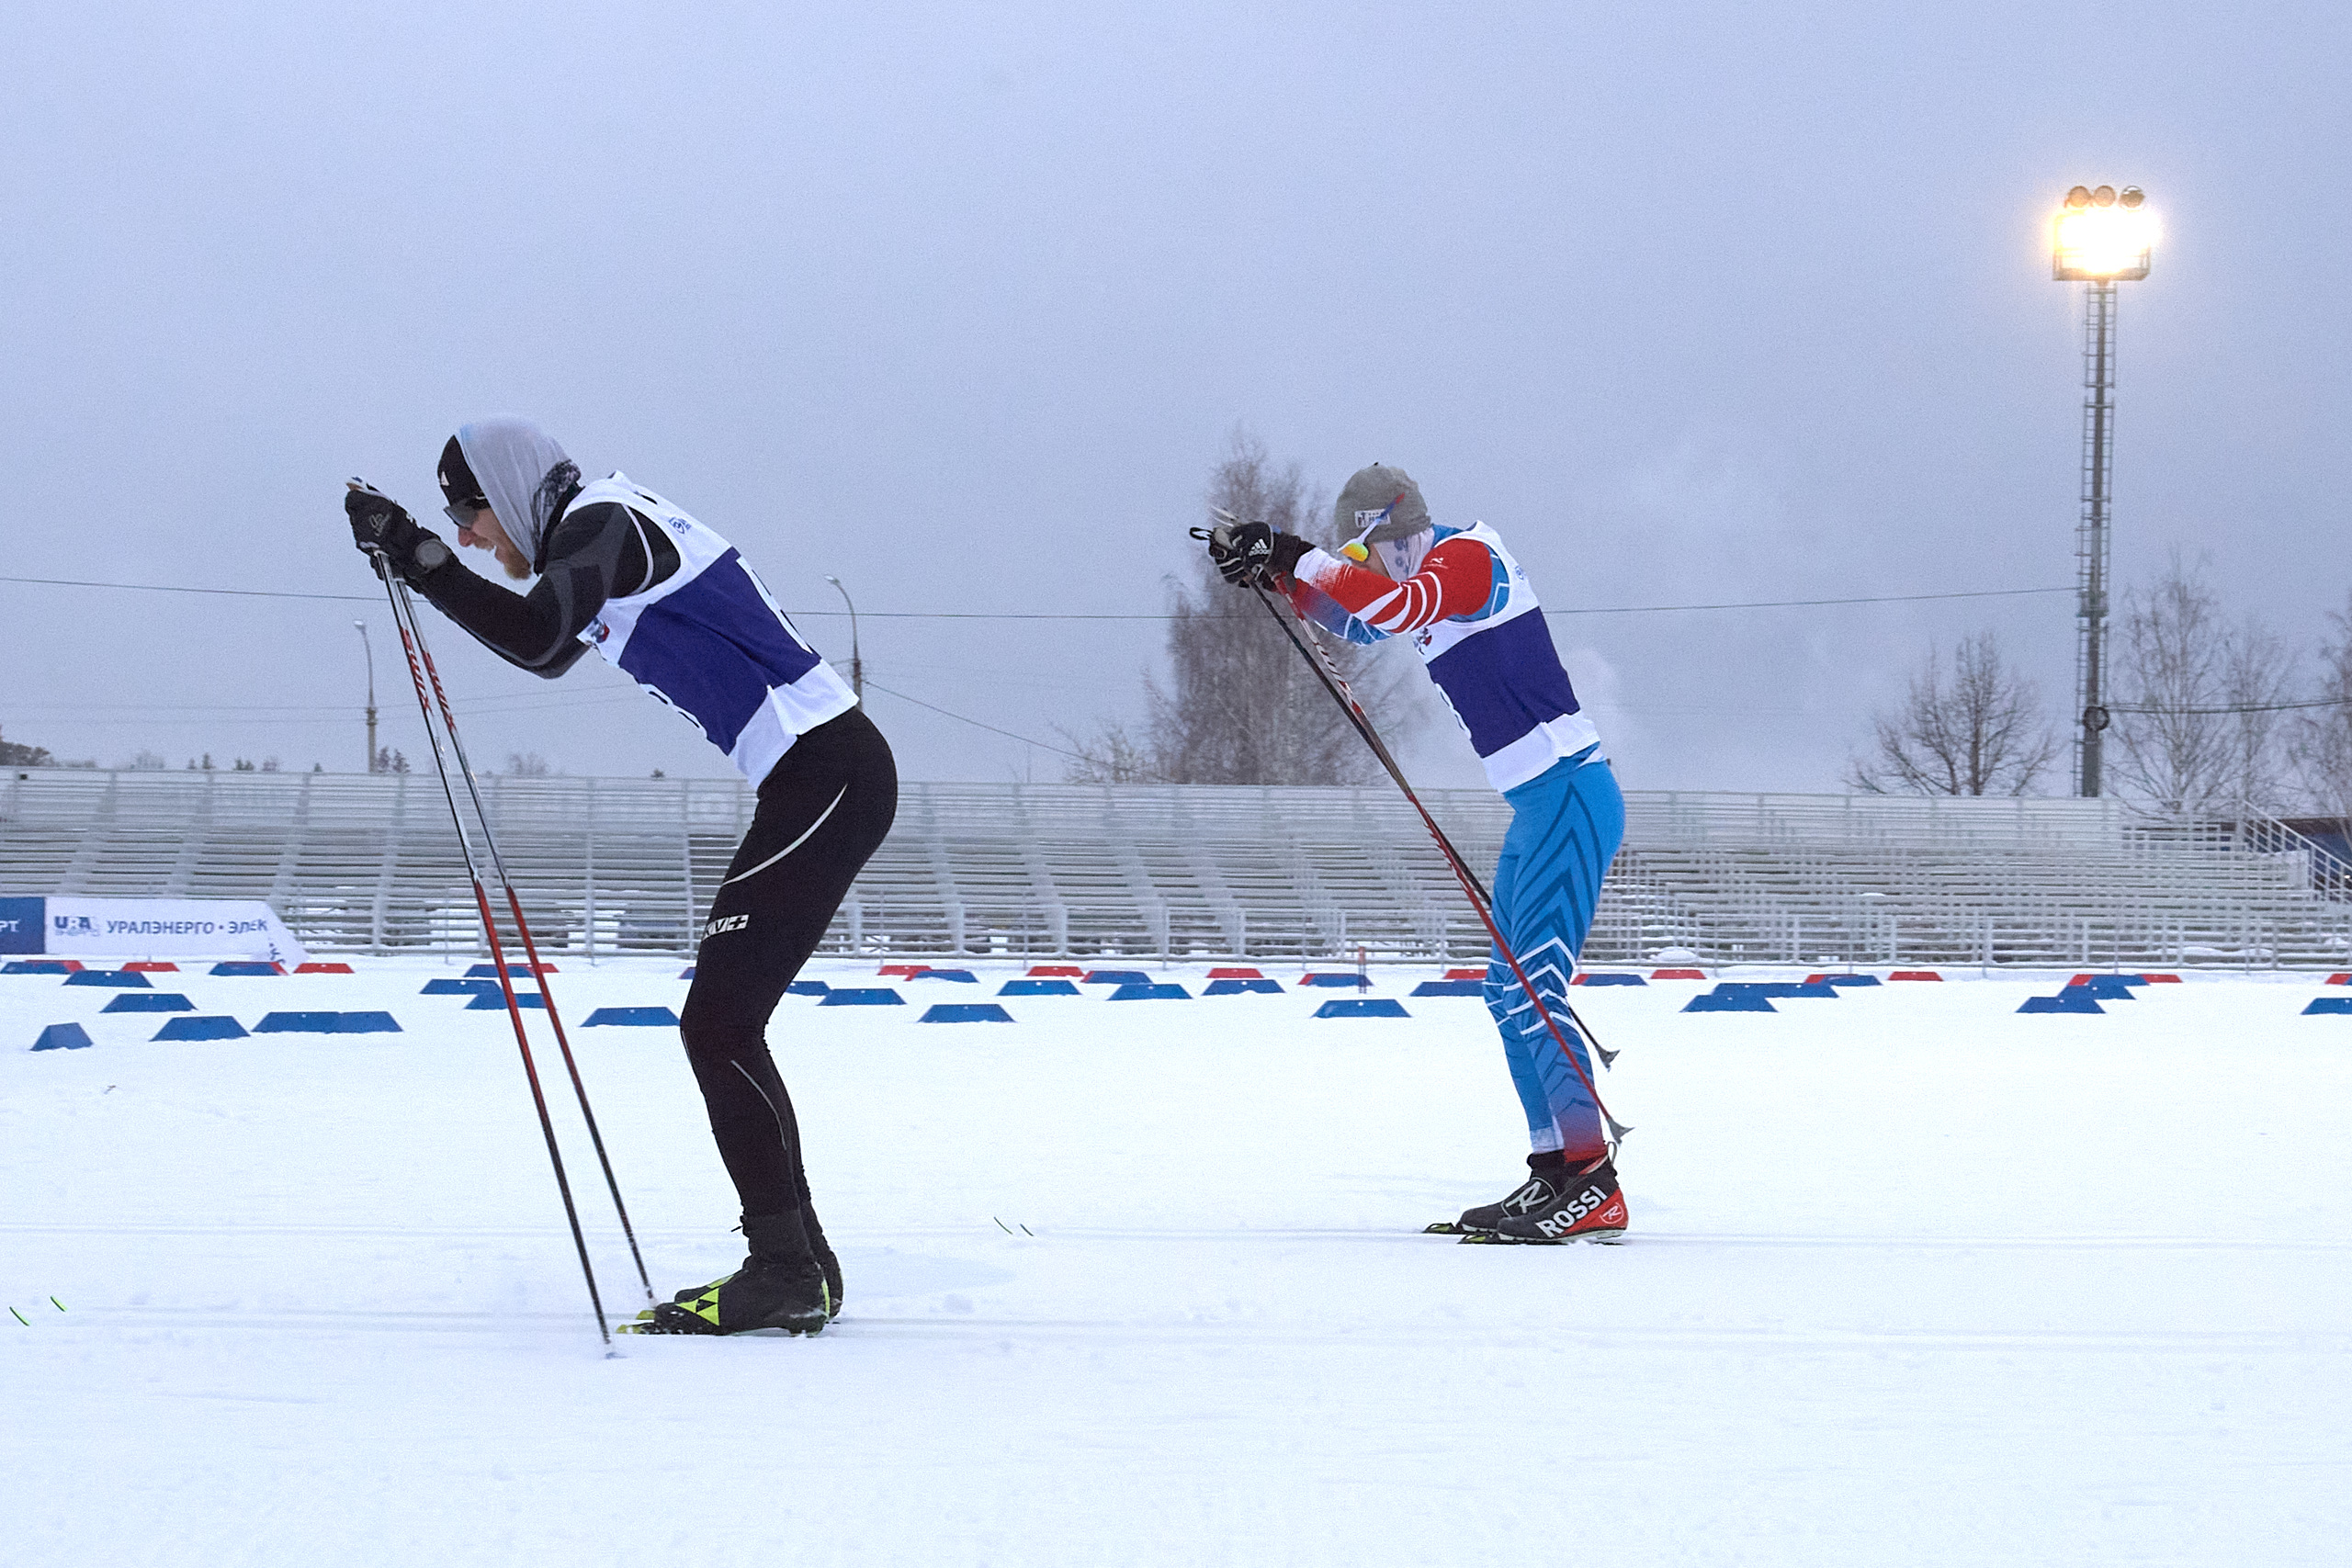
(817, 1245)
(823, 1250)
(1588, 1207)
(1546, 1175)
(781, 1285)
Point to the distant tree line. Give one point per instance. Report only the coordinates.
(2206, 715)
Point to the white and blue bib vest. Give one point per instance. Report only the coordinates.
(709, 642)
(1498, 671)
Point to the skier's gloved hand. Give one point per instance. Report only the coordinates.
(1238, 549)
(1244, 552)
(381, 526)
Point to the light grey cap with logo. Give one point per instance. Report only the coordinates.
(1378, 505)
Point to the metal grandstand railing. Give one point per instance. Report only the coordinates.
(356, 863)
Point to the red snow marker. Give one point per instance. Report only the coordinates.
(1224, 975)
(150, 966)
(2175, 979)
(323, 968)
(1465, 973)
(1915, 974)
(903, 971)
(1678, 974)
(1065, 971)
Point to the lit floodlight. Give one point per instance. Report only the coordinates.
(2103, 240)
(2079, 197)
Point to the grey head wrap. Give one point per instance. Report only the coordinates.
(523, 475)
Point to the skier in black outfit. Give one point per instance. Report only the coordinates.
(623, 571)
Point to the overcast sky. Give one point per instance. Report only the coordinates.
(961, 302)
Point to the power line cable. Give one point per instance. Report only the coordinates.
(1007, 734)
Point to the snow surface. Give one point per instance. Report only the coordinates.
(1913, 1280)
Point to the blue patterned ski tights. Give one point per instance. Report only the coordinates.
(1565, 829)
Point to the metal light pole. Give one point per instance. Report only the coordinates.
(361, 627)
(856, 665)
(2100, 237)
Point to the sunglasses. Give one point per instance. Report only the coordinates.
(464, 512)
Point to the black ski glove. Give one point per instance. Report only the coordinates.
(1245, 552)
(381, 526)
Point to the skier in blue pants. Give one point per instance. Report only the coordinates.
(1476, 623)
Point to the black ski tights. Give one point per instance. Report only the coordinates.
(822, 811)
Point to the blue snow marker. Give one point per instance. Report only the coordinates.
(122, 979)
(1363, 1007)
(965, 1012)
(1145, 991)
(2106, 987)
(63, 1037)
(2072, 998)
(200, 1029)
(965, 976)
(1843, 980)
(367, 1024)
(1360, 981)
(1724, 1001)
(492, 1000)
(1451, 988)
(2319, 1004)
(802, 987)
(862, 997)
(1240, 988)
(1592, 979)
(490, 971)
(1038, 988)
(149, 1001)
(633, 1018)
(459, 988)
(34, 966)
(297, 1023)
(241, 968)
(1117, 978)
(687, 972)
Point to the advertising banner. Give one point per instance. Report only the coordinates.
(155, 927)
(21, 925)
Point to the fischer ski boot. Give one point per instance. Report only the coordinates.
(1547, 1175)
(1587, 1206)
(825, 1260)
(781, 1285)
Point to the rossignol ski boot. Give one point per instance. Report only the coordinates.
(1586, 1206)
(1546, 1175)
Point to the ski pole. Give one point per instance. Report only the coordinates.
(1337, 686)
(497, 956)
(530, 948)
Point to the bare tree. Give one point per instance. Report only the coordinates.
(2197, 728)
(2321, 744)
(1240, 705)
(1980, 733)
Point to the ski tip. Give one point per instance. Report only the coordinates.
(1441, 1227)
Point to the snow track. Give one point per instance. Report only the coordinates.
(1911, 1279)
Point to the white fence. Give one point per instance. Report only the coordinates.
(354, 863)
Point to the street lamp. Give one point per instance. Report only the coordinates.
(2101, 238)
(361, 627)
(856, 665)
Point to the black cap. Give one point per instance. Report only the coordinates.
(458, 481)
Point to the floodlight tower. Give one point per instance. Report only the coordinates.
(2101, 238)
